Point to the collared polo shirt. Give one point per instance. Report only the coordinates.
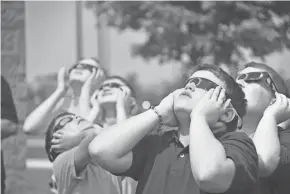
(279, 181)
(161, 164)
(93, 179)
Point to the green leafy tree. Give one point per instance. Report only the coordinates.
(191, 31)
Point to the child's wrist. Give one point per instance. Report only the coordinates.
(160, 118)
(195, 114)
(269, 115)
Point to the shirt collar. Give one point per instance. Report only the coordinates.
(172, 136)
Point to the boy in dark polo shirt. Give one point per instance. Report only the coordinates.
(261, 85)
(205, 154)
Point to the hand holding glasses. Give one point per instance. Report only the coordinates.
(207, 85)
(63, 79)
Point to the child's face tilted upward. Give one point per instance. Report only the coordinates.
(70, 129)
(192, 93)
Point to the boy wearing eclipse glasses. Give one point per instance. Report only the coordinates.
(205, 154)
(113, 102)
(72, 94)
(268, 106)
(66, 145)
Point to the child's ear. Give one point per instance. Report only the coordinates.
(228, 116)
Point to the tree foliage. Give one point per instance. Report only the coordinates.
(201, 29)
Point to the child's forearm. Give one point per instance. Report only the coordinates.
(44, 111)
(121, 114)
(84, 103)
(94, 113)
(117, 140)
(82, 157)
(207, 157)
(267, 144)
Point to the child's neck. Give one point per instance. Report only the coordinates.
(110, 116)
(183, 131)
(74, 95)
(250, 125)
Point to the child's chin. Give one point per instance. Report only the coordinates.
(181, 105)
(108, 101)
(110, 98)
(78, 77)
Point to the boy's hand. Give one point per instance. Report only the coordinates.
(280, 109)
(94, 100)
(64, 140)
(86, 88)
(211, 106)
(122, 99)
(100, 75)
(166, 110)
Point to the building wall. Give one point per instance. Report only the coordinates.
(50, 36)
(13, 69)
(51, 41)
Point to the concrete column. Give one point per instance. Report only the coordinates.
(14, 71)
(104, 43)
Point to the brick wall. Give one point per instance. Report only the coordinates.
(13, 69)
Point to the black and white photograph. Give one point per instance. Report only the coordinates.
(145, 97)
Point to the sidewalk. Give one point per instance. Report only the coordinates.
(38, 170)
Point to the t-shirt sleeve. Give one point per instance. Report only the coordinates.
(282, 172)
(241, 150)
(140, 154)
(65, 172)
(8, 110)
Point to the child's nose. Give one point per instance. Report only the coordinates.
(190, 86)
(241, 83)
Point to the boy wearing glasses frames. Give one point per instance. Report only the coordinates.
(205, 154)
(72, 94)
(268, 106)
(66, 144)
(113, 102)
(80, 79)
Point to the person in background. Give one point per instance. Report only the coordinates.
(268, 106)
(205, 154)
(80, 78)
(66, 145)
(112, 103)
(9, 121)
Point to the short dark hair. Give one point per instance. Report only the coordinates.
(233, 91)
(49, 136)
(277, 79)
(124, 81)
